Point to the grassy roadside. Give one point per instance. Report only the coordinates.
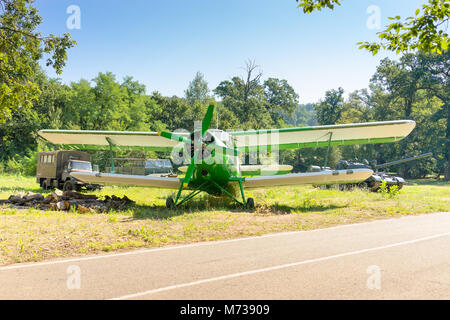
(34, 235)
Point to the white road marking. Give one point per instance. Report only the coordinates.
(283, 266)
(200, 244)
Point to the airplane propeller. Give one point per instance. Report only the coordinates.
(210, 145)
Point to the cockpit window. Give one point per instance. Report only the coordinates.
(224, 137)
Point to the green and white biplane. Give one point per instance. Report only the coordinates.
(215, 167)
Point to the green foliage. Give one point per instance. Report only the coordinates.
(197, 90)
(415, 87)
(258, 105)
(389, 191)
(22, 47)
(303, 115)
(329, 111)
(312, 5)
(423, 32)
(420, 32)
(24, 165)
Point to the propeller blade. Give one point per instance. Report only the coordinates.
(207, 120)
(174, 136)
(190, 171)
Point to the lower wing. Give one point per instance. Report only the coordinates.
(323, 177)
(125, 179)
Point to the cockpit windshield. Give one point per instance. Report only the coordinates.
(222, 136)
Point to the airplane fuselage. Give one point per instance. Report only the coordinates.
(214, 167)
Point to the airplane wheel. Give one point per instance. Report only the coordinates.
(170, 204)
(250, 203)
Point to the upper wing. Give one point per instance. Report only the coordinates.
(85, 139)
(323, 177)
(125, 179)
(321, 136)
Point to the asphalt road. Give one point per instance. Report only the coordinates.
(405, 258)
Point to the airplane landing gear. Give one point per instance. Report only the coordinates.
(250, 203)
(170, 204)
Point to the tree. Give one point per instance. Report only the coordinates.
(111, 111)
(303, 115)
(422, 32)
(245, 97)
(21, 47)
(164, 109)
(436, 81)
(197, 90)
(135, 98)
(330, 109)
(19, 134)
(281, 98)
(258, 105)
(80, 109)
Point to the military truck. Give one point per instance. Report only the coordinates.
(54, 168)
(373, 183)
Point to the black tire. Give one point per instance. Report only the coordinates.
(68, 186)
(363, 185)
(44, 185)
(250, 203)
(170, 204)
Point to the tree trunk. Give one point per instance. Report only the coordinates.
(447, 136)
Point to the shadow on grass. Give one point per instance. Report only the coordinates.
(36, 189)
(281, 209)
(209, 203)
(202, 203)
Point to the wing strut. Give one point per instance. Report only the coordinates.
(328, 150)
(111, 153)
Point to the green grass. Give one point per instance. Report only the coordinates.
(34, 235)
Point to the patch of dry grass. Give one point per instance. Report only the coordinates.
(33, 235)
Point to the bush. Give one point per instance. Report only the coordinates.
(389, 191)
(25, 166)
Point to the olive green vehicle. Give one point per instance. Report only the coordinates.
(54, 169)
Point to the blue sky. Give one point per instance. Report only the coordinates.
(164, 43)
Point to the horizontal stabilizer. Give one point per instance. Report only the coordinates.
(125, 179)
(323, 177)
